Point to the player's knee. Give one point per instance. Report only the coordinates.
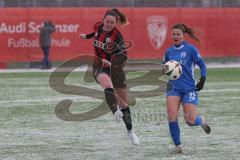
(190, 122)
(106, 84)
(104, 81)
(172, 118)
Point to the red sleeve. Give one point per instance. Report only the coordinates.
(96, 26)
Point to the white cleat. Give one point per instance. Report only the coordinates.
(133, 137)
(118, 115)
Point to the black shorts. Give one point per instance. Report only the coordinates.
(116, 74)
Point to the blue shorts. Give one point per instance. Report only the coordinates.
(186, 97)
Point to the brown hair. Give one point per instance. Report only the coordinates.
(186, 29)
(120, 17)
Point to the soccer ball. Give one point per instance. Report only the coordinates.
(172, 70)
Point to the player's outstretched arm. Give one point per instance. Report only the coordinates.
(87, 36)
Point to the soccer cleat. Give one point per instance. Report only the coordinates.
(205, 126)
(177, 150)
(118, 115)
(133, 137)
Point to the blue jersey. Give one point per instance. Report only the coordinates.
(187, 55)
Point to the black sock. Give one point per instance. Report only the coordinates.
(127, 118)
(111, 99)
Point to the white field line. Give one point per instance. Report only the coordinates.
(206, 98)
(84, 68)
(56, 99)
(89, 99)
(221, 90)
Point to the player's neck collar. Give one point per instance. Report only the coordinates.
(180, 46)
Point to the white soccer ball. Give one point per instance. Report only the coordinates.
(172, 70)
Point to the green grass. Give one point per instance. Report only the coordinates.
(30, 129)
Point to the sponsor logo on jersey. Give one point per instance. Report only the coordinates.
(183, 54)
(99, 44)
(157, 30)
(108, 40)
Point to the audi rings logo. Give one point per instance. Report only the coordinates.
(157, 30)
(111, 47)
(99, 44)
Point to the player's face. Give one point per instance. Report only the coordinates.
(109, 23)
(177, 36)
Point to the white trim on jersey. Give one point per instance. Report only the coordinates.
(180, 47)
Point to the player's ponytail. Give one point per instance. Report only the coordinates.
(120, 17)
(186, 29)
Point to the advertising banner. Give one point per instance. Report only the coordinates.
(149, 31)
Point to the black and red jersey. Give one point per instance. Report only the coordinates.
(106, 44)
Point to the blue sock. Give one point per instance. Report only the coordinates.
(198, 121)
(175, 132)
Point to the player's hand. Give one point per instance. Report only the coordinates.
(200, 84)
(106, 63)
(83, 36)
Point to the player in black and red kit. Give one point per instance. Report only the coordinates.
(111, 54)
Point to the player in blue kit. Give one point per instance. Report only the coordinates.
(184, 90)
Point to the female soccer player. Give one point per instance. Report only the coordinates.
(184, 90)
(108, 67)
